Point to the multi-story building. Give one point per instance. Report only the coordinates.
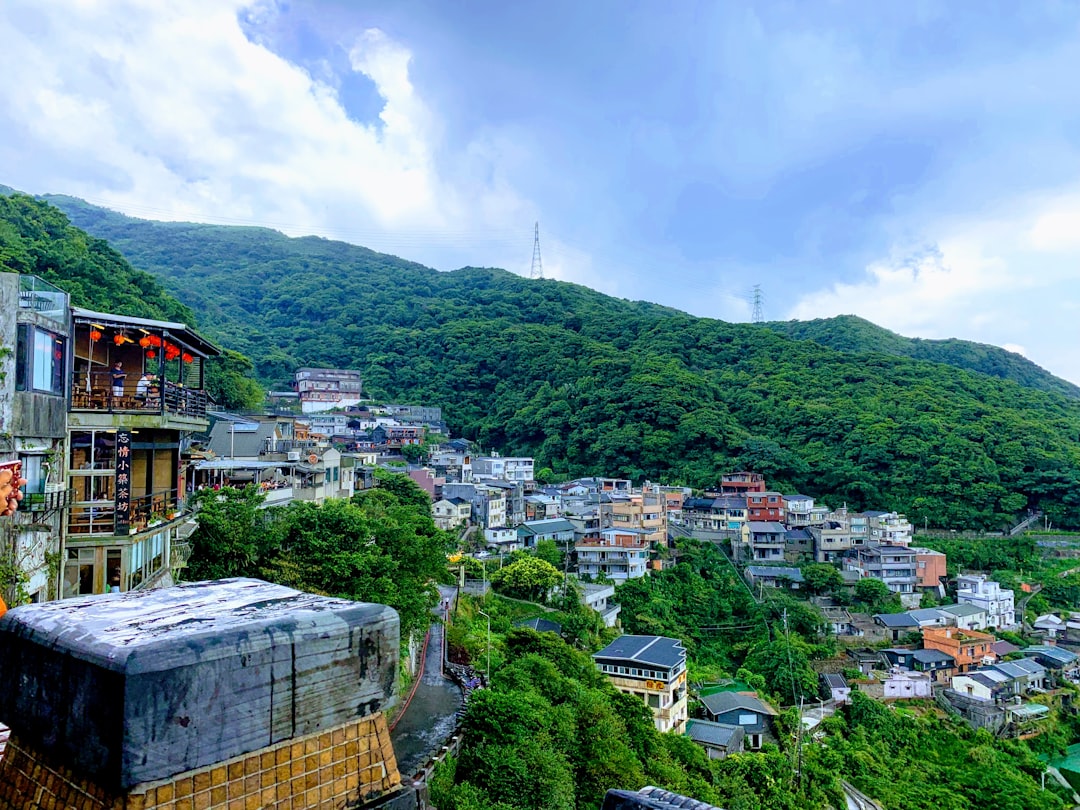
(488, 504)
(507, 468)
(763, 541)
(453, 465)
(832, 537)
(969, 648)
(889, 528)
(893, 565)
(998, 602)
(741, 483)
(323, 389)
(652, 668)
(930, 570)
(137, 396)
(859, 526)
(35, 348)
(798, 510)
(619, 554)
(645, 510)
(451, 513)
(722, 513)
(765, 507)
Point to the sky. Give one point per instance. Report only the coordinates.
(915, 163)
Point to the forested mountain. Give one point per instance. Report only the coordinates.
(594, 384)
(850, 333)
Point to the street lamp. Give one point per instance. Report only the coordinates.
(488, 673)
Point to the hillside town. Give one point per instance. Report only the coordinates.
(113, 431)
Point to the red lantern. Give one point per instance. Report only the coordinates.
(118, 339)
(151, 354)
(154, 340)
(144, 342)
(95, 334)
(187, 357)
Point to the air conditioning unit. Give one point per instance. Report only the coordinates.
(294, 455)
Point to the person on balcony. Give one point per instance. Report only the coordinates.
(118, 376)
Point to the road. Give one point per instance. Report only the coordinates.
(430, 717)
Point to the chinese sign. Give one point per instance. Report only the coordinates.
(123, 482)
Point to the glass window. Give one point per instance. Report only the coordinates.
(39, 364)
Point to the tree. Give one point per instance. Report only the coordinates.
(400, 485)
(873, 593)
(234, 535)
(413, 453)
(230, 381)
(822, 577)
(548, 551)
(527, 578)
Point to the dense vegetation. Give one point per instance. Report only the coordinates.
(589, 383)
(382, 546)
(38, 239)
(850, 333)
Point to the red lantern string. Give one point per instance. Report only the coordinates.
(151, 354)
(144, 342)
(187, 358)
(118, 340)
(95, 334)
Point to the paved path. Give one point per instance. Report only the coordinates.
(430, 717)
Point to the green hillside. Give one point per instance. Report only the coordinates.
(594, 384)
(850, 333)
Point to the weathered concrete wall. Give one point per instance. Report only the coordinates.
(136, 687)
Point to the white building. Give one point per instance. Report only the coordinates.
(506, 468)
(889, 528)
(503, 540)
(620, 554)
(998, 602)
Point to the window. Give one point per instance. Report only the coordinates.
(40, 360)
(748, 719)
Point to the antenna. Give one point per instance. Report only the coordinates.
(537, 270)
(758, 299)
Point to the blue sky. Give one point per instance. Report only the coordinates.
(915, 163)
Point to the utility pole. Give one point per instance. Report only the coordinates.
(487, 674)
(537, 270)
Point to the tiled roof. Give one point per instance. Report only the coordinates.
(719, 734)
(726, 701)
(652, 798)
(774, 571)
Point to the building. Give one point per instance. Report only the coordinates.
(652, 668)
(323, 389)
(763, 541)
(718, 739)
(904, 685)
(127, 437)
(35, 348)
(774, 576)
(834, 687)
(832, 537)
(715, 514)
(451, 513)
(966, 617)
(645, 510)
(998, 602)
(889, 528)
(741, 483)
(893, 565)
(488, 504)
(508, 468)
(969, 648)
(598, 597)
(937, 664)
(930, 571)
(752, 715)
(765, 507)
(798, 510)
(557, 530)
(620, 554)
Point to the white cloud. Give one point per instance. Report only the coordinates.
(1006, 281)
(169, 111)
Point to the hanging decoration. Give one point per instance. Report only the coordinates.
(118, 339)
(151, 354)
(144, 342)
(95, 334)
(187, 358)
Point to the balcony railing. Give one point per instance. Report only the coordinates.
(94, 391)
(99, 518)
(48, 501)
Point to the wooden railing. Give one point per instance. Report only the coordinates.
(94, 391)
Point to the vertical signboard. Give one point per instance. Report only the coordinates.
(123, 482)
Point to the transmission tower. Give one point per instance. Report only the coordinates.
(758, 315)
(537, 265)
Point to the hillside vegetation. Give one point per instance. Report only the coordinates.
(593, 384)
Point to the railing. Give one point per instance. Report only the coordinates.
(43, 298)
(99, 518)
(48, 501)
(94, 391)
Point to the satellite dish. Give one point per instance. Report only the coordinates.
(313, 459)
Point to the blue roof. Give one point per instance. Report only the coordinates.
(657, 650)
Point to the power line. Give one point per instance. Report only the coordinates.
(537, 270)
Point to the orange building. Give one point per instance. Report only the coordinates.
(969, 648)
(930, 569)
